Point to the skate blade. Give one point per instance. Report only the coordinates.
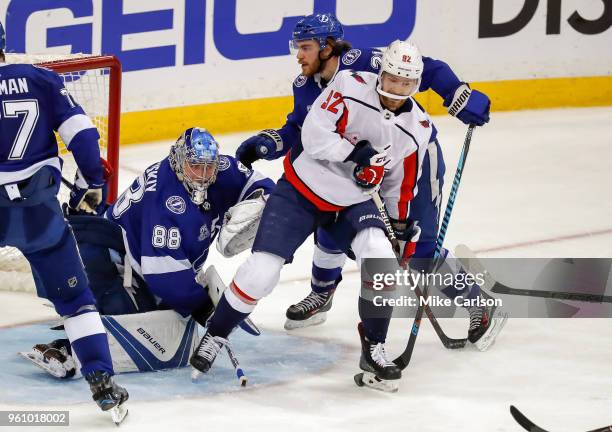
(314, 320)
(488, 339)
(195, 375)
(52, 367)
(118, 414)
(368, 379)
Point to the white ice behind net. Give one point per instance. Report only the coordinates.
(90, 88)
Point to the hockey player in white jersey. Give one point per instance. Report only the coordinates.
(320, 49)
(145, 260)
(361, 129)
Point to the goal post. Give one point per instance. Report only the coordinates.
(95, 83)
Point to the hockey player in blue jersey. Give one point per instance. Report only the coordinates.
(172, 213)
(322, 53)
(146, 257)
(34, 104)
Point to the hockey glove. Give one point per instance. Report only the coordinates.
(408, 233)
(469, 106)
(370, 168)
(265, 145)
(86, 199)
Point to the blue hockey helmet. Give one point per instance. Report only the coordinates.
(195, 160)
(317, 27)
(2, 38)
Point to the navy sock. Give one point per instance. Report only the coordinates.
(375, 319)
(225, 319)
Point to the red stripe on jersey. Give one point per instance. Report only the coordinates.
(408, 183)
(342, 121)
(241, 294)
(303, 189)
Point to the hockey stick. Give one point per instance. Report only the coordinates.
(497, 287)
(239, 372)
(448, 342)
(558, 295)
(532, 427)
(404, 358)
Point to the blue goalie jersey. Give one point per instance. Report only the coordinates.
(34, 104)
(437, 75)
(168, 237)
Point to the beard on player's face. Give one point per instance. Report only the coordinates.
(308, 57)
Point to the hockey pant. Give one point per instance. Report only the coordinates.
(33, 223)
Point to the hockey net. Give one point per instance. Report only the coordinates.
(95, 83)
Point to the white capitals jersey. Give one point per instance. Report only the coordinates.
(349, 111)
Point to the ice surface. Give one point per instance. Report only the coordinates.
(537, 184)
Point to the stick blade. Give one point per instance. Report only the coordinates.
(524, 421)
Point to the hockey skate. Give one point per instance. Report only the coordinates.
(205, 354)
(378, 371)
(312, 310)
(485, 324)
(54, 358)
(108, 395)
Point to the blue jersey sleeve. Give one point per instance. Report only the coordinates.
(76, 130)
(291, 131)
(439, 77)
(248, 182)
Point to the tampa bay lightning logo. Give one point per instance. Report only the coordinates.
(351, 57)
(224, 163)
(176, 204)
(300, 81)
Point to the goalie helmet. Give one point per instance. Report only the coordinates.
(401, 59)
(194, 158)
(2, 38)
(317, 27)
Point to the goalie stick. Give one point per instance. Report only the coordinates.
(532, 427)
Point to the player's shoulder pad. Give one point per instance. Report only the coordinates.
(362, 59)
(348, 79)
(229, 166)
(48, 75)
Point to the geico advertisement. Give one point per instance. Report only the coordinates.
(187, 52)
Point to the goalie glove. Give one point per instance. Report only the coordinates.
(408, 233)
(240, 226)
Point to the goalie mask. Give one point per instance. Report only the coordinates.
(400, 71)
(195, 160)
